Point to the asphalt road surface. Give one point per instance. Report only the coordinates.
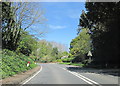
(52, 73)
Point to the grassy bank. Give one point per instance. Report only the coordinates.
(12, 63)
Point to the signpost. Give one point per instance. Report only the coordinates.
(28, 63)
(89, 55)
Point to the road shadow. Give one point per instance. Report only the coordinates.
(114, 72)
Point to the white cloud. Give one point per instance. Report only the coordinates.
(56, 27)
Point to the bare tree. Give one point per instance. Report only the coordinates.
(60, 46)
(28, 14)
(19, 16)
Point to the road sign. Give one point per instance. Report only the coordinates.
(89, 53)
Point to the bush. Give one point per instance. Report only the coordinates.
(67, 59)
(59, 60)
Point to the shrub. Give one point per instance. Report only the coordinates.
(67, 59)
(59, 60)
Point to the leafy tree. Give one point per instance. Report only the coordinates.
(80, 46)
(27, 44)
(47, 52)
(102, 20)
(42, 48)
(54, 51)
(65, 53)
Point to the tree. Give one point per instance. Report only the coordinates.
(65, 53)
(102, 20)
(10, 34)
(29, 14)
(27, 44)
(15, 18)
(80, 46)
(54, 52)
(61, 47)
(42, 46)
(47, 52)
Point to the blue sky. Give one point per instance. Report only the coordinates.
(62, 20)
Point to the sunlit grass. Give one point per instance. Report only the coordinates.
(75, 64)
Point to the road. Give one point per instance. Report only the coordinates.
(61, 74)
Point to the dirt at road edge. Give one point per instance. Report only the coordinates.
(18, 78)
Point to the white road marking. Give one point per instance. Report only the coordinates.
(86, 78)
(89, 81)
(33, 76)
(63, 68)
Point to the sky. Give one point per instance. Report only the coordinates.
(62, 20)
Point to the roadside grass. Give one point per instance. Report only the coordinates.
(75, 64)
(13, 63)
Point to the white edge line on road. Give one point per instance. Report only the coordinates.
(86, 78)
(33, 76)
(81, 78)
(63, 68)
(89, 81)
(78, 76)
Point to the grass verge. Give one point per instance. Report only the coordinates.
(13, 63)
(75, 64)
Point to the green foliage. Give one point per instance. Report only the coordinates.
(67, 59)
(27, 44)
(65, 53)
(16, 18)
(47, 52)
(59, 60)
(102, 20)
(80, 46)
(54, 52)
(44, 49)
(13, 63)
